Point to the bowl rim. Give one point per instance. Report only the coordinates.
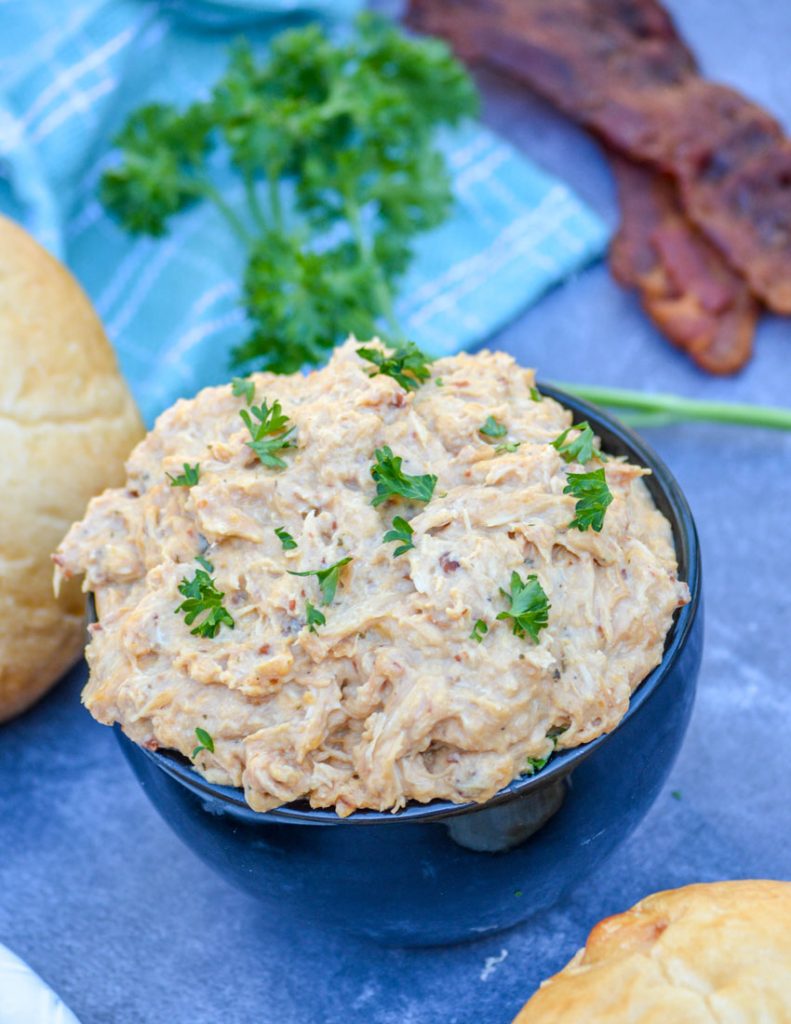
(661, 482)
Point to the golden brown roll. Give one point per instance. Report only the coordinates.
(67, 422)
(718, 953)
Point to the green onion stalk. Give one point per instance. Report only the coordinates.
(644, 409)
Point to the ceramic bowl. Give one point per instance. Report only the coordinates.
(442, 873)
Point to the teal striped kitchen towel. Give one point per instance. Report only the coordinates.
(69, 75)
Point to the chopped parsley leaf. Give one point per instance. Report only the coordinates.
(593, 498)
(528, 606)
(327, 578)
(201, 595)
(269, 435)
(285, 538)
(491, 428)
(401, 531)
(582, 449)
(479, 630)
(392, 482)
(243, 387)
(313, 617)
(407, 364)
(188, 478)
(205, 742)
(535, 764)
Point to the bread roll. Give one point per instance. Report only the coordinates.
(67, 422)
(705, 954)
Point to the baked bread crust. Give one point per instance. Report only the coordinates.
(705, 954)
(67, 422)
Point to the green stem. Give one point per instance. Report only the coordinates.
(644, 420)
(275, 204)
(673, 408)
(382, 292)
(238, 228)
(256, 211)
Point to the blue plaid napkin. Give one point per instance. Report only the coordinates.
(69, 74)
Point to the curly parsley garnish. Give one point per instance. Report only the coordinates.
(507, 446)
(407, 365)
(243, 387)
(401, 532)
(392, 482)
(479, 630)
(269, 434)
(528, 606)
(327, 578)
(285, 538)
(327, 138)
(491, 428)
(313, 617)
(582, 449)
(205, 742)
(593, 498)
(188, 478)
(201, 595)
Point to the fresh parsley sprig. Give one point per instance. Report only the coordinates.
(406, 364)
(348, 128)
(402, 533)
(393, 482)
(593, 499)
(582, 448)
(327, 578)
(188, 478)
(528, 606)
(270, 434)
(202, 596)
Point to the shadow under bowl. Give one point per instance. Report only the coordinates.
(441, 872)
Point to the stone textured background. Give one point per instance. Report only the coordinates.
(130, 928)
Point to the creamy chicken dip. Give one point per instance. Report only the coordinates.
(403, 684)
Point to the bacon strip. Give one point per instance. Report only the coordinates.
(685, 285)
(620, 68)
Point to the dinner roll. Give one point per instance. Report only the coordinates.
(67, 422)
(704, 954)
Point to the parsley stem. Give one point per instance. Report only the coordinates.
(384, 298)
(663, 408)
(252, 201)
(238, 228)
(275, 205)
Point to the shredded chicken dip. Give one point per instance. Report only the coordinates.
(396, 696)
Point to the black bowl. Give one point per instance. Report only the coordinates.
(443, 872)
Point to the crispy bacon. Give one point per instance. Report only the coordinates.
(685, 285)
(620, 68)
